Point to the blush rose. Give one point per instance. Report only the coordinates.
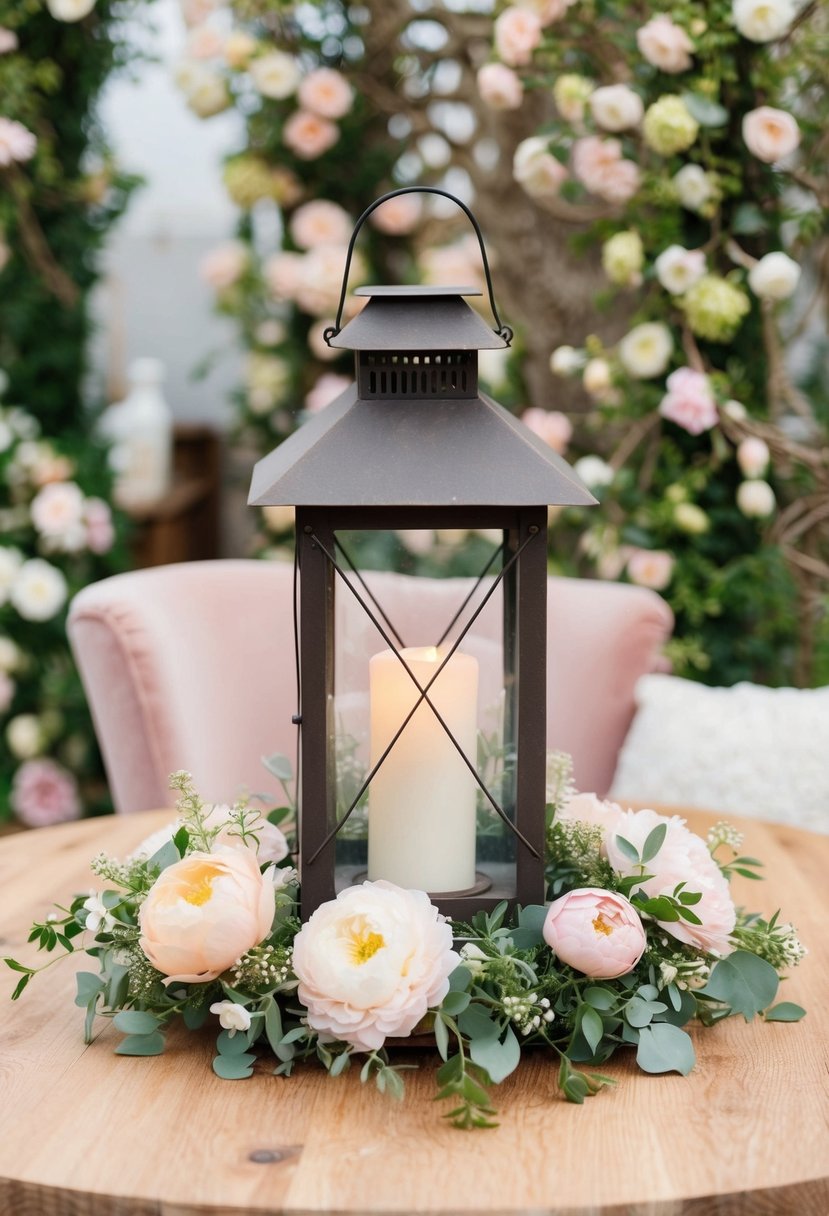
(596, 932)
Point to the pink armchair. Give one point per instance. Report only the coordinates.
(192, 666)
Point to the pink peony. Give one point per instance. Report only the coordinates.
(100, 533)
(371, 962)
(683, 857)
(8, 41)
(599, 166)
(223, 266)
(596, 932)
(651, 568)
(770, 134)
(17, 143)
(327, 389)
(308, 135)
(665, 44)
(592, 810)
(44, 793)
(398, 216)
(689, 401)
(283, 274)
(326, 92)
(517, 34)
(320, 223)
(499, 87)
(552, 426)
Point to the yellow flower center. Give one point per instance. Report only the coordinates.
(200, 889)
(601, 926)
(363, 945)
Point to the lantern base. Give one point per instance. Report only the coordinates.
(482, 883)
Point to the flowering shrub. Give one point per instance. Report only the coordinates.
(640, 936)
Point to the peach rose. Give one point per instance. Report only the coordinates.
(399, 215)
(283, 274)
(371, 962)
(500, 88)
(517, 34)
(326, 93)
(204, 912)
(308, 135)
(770, 134)
(536, 169)
(689, 401)
(665, 44)
(651, 568)
(320, 222)
(553, 427)
(223, 266)
(599, 166)
(596, 932)
(753, 456)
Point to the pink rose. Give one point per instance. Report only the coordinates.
(283, 274)
(596, 932)
(223, 266)
(651, 568)
(17, 143)
(320, 223)
(500, 88)
(57, 509)
(517, 34)
(327, 389)
(308, 135)
(398, 216)
(326, 93)
(683, 857)
(8, 41)
(44, 793)
(665, 44)
(553, 427)
(689, 401)
(599, 166)
(100, 533)
(770, 134)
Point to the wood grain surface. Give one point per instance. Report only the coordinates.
(87, 1133)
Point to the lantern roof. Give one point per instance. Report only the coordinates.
(417, 318)
(437, 451)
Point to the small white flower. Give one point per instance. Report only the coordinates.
(735, 409)
(646, 351)
(594, 471)
(24, 736)
(596, 378)
(282, 876)
(231, 1016)
(70, 10)
(755, 498)
(774, 277)
(566, 361)
(677, 268)
(753, 456)
(763, 20)
(694, 187)
(275, 75)
(39, 591)
(616, 107)
(98, 915)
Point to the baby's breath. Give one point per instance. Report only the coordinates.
(263, 969)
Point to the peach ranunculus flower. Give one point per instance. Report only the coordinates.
(683, 857)
(551, 426)
(600, 167)
(320, 222)
(595, 931)
(689, 401)
(665, 44)
(651, 568)
(500, 87)
(204, 912)
(371, 962)
(517, 34)
(308, 135)
(398, 216)
(770, 134)
(17, 143)
(223, 266)
(326, 92)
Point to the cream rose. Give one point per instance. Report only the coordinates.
(774, 277)
(70, 10)
(646, 351)
(755, 498)
(770, 134)
(678, 268)
(616, 107)
(371, 962)
(665, 45)
(275, 75)
(499, 87)
(763, 20)
(536, 169)
(204, 912)
(753, 456)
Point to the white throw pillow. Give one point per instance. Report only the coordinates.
(747, 749)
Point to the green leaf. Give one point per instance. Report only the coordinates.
(395, 1087)
(21, 984)
(231, 1045)
(654, 842)
(460, 979)
(340, 1063)
(687, 898)
(498, 1057)
(234, 1068)
(527, 933)
(135, 1021)
(273, 1024)
(690, 916)
(279, 814)
(591, 1026)
(629, 850)
(279, 765)
(166, 856)
(665, 1048)
(708, 113)
(15, 966)
(576, 1088)
(441, 1037)
(743, 981)
(599, 998)
(455, 1002)
(748, 220)
(786, 1011)
(181, 840)
(89, 985)
(194, 1019)
(141, 1045)
(475, 1023)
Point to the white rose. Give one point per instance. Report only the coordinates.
(646, 351)
(763, 20)
(677, 268)
(206, 92)
(616, 107)
(231, 1016)
(594, 471)
(566, 361)
(70, 10)
(596, 377)
(39, 591)
(10, 562)
(24, 736)
(275, 75)
(694, 187)
(536, 169)
(755, 499)
(736, 410)
(774, 277)
(753, 457)
(9, 652)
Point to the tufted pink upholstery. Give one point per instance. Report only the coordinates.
(191, 666)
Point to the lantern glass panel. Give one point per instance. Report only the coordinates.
(426, 818)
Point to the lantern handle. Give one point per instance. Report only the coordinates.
(503, 331)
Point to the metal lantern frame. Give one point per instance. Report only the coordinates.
(412, 445)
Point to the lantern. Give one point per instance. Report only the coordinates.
(422, 758)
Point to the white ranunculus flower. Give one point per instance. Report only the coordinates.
(70, 10)
(616, 107)
(24, 736)
(275, 75)
(646, 351)
(755, 498)
(566, 361)
(10, 562)
(594, 471)
(763, 20)
(677, 268)
(774, 277)
(371, 962)
(39, 591)
(694, 187)
(231, 1016)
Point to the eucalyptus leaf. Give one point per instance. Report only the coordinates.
(141, 1045)
(786, 1011)
(629, 850)
(279, 765)
(340, 1064)
(498, 1057)
(194, 1018)
(708, 113)
(654, 842)
(591, 1026)
(273, 1024)
(455, 1002)
(475, 1023)
(743, 981)
(135, 1021)
(599, 998)
(89, 985)
(460, 979)
(167, 855)
(441, 1037)
(229, 1044)
(665, 1048)
(234, 1068)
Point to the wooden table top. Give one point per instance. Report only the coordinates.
(88, 1133)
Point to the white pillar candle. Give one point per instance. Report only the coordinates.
(421, 809)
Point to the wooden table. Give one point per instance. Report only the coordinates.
(88, 1133)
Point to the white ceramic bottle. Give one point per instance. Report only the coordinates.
(140, 431)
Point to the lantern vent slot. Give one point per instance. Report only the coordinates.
(404, 375)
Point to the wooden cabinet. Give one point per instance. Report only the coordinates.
(184, 525)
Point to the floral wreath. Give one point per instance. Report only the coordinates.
(641, 935)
